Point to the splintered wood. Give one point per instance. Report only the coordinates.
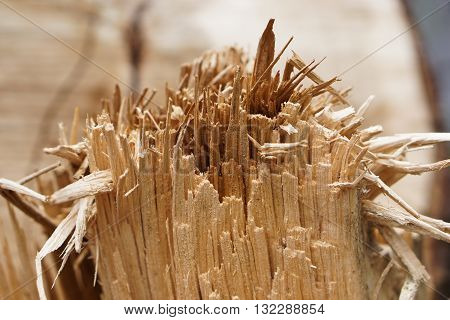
(247, 185)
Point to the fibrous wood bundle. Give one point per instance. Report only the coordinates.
(250, 183)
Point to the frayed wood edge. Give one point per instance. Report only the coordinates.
(82, 169)
(362, 110)
(53, 243)
(391, 194)
(394, 218)
(97, 256)
(414, 139)
(409, 289)
(96, 182)
(404, 252)
(6, 184)
(416, 270)
(73, 153)
(65, 256)
(81, 222)
(381, 279)
(412, 168)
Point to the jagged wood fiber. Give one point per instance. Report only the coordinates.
(247, 185)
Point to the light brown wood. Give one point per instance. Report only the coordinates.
(250, 185)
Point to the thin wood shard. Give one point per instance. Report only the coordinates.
(6, 184)
(53, 243)
(414, 267)
(92, 184)
(83, 214)
(265, 53)
(394, 218)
